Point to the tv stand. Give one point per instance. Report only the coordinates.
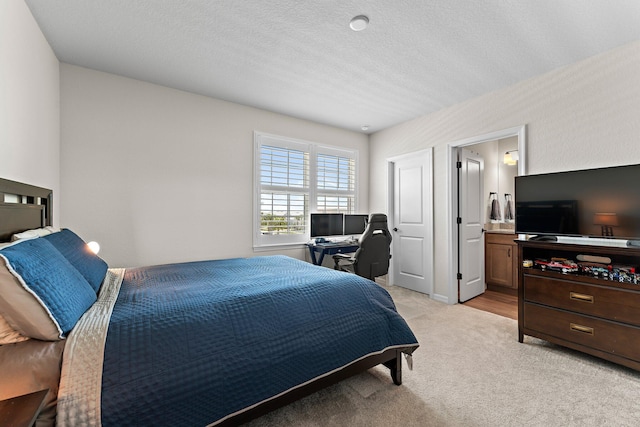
(591, 314)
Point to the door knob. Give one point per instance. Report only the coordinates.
(395, 228)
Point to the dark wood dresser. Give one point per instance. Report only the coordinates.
(596, 315)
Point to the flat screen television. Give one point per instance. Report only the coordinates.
(603, 203)
(355, 224)
(326, 224)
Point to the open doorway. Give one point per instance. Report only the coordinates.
(502, 304)
(456, 258)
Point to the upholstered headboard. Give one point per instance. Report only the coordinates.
(22, 207)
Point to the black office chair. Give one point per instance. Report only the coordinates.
(372, 257)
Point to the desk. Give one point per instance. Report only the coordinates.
(330, 249)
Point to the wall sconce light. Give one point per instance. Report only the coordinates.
(94, 247)
(607, 221)
(511, 157)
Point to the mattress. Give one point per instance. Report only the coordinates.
(195, 343)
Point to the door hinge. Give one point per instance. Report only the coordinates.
(459, 165)
(459, 276)
(459, 220)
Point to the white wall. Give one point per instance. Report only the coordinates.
(159, 175)
(29, 102)
(580, 116)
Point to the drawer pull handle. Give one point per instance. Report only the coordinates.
(579, 328)
(581, 297)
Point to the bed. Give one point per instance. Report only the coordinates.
(214, 342)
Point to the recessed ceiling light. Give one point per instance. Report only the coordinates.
(365, 127)
(359, 23)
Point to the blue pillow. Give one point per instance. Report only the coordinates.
(44, 273)
(76, 251)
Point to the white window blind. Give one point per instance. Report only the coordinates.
(284, 193)
(295, 178)
(336, 179)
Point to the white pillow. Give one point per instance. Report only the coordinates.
(36, 232)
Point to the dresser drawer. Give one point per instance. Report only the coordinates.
(620, 305)
(595, 333)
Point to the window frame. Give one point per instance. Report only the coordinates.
(266, 242)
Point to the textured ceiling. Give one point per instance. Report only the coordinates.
(300, 58)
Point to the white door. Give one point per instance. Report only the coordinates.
(471, 217)
(413, 222)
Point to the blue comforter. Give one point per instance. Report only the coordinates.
(189, 344)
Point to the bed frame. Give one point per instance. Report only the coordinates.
(390, 358)
(24, 207)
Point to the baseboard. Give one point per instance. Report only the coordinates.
(440, 298)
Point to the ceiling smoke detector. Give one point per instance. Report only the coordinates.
(359, 23)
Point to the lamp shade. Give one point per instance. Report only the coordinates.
(610, 219)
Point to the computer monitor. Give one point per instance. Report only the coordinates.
(326, 224)
(355, 224)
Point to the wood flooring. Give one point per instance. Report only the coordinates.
(499, 303)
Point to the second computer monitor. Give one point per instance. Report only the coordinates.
(355, 224)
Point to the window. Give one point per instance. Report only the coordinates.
(294, 178)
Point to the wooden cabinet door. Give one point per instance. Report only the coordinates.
(499, 265)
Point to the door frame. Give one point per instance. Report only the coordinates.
(452, 194)
(428, 152)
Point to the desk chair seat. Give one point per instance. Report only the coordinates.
(372, 257)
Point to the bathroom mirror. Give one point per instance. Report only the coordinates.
(499, 177)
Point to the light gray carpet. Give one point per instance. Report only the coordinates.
(470, 370)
